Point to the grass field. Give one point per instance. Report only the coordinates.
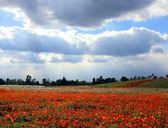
(151, 83)
(130, 104)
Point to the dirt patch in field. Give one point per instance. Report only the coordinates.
(88, 89)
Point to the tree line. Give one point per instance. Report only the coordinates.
(45, 82)
(63, 82)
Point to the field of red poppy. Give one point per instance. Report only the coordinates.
(85, 107)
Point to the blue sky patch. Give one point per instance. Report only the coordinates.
(8, 20)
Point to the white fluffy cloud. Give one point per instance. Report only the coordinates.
(113, 43)
(131, 42)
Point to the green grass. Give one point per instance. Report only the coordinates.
(115, 84)
(161, 83)
(107, 85)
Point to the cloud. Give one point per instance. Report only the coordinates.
(113, 43)
(88, 13)
(58, 58)
(156, 9)
(124, 43)
(145, 64)
(16, 57)
(23, 40)
(95, 59)
(116, 67)
(157, 49)
(20, 57)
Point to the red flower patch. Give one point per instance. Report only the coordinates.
(53, 109)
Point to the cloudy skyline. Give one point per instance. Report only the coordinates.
(83, 39)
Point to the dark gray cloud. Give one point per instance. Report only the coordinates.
(81, 13)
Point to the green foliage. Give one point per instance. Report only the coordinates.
(161, 83)
(17, 125)
(115, 84)
(101, 80)
(107, 85)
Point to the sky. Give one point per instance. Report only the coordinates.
(83, 39)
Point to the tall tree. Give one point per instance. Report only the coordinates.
(28, 79)
(166, 75)
(64, 81)
(44, 81)
(93, 81)
(2, 82)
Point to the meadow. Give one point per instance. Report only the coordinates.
(133, 104)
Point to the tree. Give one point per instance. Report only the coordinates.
(44, 81)
(123, 78)
(155, 77)
(19, 82)
(75, 82)
(100, 80)
(113, 80)
(37, 83)
(107, 80)
(152, 76)
(8, 81)
(166, 75)
(33, 82)
(135, 78)
(2, 82)
(64, 81)
(143, 77)
(13, 81)
(93, 81)
(59, 82)
(28, 79)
